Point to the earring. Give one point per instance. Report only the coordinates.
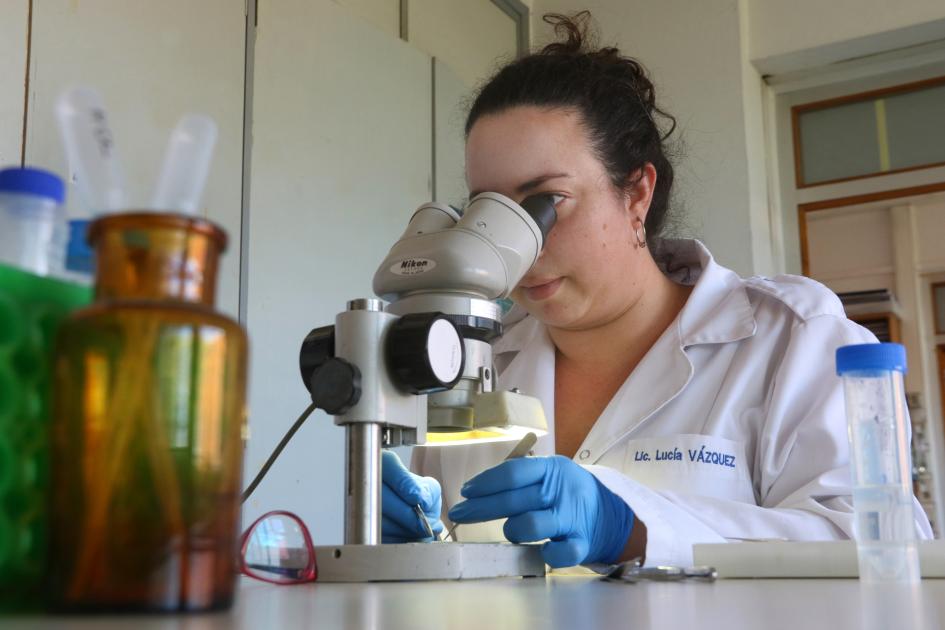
(641, 235)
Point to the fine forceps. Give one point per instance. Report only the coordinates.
(521, 449)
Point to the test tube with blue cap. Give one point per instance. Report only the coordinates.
(880, 461)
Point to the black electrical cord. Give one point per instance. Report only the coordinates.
(276, 452)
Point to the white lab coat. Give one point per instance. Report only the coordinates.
(731, 427)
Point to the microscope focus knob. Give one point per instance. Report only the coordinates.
(317, 348)
(336, 386)
(425, 353)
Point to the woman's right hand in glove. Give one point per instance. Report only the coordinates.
(401, 492)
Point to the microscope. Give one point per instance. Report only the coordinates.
(416, 366)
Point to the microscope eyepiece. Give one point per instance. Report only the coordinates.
(541, 209)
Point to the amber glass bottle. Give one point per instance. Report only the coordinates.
(150, 386)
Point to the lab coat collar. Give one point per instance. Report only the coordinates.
(717, 311)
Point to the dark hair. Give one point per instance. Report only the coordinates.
(612, 93)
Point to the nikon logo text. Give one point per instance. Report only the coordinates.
(412, 266)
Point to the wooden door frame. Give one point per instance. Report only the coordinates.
(853, 200)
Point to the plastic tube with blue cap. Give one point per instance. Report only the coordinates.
(880, 461)
(32, 234)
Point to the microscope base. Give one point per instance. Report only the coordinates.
(427, 561)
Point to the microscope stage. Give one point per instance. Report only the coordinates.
(427, 561)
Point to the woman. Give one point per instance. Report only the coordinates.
(685, 404)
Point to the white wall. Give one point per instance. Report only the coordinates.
(469, 40)
(471, 37)
(342, 140)
(930, 236)
(13, 27)
(384, 14)
(450, 105)
(851, 249)
(765, 225)
(796, 34)
(694, 53)
(152, 62)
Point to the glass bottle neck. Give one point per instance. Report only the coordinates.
(156, 257)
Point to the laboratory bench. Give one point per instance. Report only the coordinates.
(564, 601)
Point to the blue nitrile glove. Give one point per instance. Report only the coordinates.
(401, 492)
(550, 497)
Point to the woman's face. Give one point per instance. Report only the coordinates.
(587, 275)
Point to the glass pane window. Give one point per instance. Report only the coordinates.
(879, 132)
(839, 142)
(915, 122)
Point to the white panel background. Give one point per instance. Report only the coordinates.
(384, 14)
(341, 157)
(451, 96)
(13, 25)
(153, 62)
(849, 241)
(474, 37)
(930, 216)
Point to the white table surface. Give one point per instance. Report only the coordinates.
(573, 602)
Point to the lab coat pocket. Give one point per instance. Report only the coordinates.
(693, 464)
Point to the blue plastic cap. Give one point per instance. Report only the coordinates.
(870, 357)
(33, 181)
(79, 255)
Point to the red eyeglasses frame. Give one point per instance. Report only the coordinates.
(310, 572)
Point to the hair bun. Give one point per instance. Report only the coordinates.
(575, 30)
(576, 37)
(612, 93)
